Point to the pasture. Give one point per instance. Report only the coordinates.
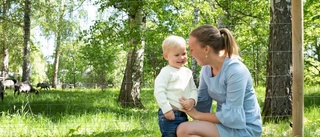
(92, 112)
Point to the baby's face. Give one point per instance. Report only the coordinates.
(177, 57)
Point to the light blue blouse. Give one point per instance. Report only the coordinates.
(237, 106)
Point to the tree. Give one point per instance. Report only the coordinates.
(26, 41)
(101, 51)
(11, 23)
(277, 105)
(57, 19)
(194, 64)
(4, 41)
(58, 44)
(131, 85)
(250, 31)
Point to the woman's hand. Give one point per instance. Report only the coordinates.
(192, 113)
(188, 107)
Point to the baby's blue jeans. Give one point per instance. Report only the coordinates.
(168, 127)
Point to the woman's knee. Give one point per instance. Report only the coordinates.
(182, 128)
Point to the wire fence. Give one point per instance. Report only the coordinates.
(312, 103)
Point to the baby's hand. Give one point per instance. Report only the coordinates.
(169, 115)
(186, 103)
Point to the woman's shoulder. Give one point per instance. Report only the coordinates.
(234, 65)
(233, 62)
(206, 68)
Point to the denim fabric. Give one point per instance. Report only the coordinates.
(168, 127)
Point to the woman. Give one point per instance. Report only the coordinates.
(225, 79)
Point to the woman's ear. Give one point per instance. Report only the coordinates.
(207, 50)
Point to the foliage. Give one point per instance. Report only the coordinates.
(11, 33)
(71, 65)
(49, 14)
(312, 41)
(176, 18)
(38, 65)
(251, 30)
(101, 50)
(312, 72)
(163, 18)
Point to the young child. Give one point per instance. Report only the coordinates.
(174, 82)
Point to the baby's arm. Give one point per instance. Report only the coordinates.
(189, 103)
(169, 115)
(160, 89)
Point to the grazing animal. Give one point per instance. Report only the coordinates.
(8, 83)
(24, 87)
(43, 85)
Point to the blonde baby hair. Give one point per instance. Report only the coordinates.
(172, 42)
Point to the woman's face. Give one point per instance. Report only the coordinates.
(197, 51)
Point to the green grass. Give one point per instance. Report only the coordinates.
(311, 115)
(87, 113)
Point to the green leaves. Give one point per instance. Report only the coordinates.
(311, 41)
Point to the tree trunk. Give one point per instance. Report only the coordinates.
(277, 105)
(131, 84)
(125, 98)
(56, 62)
(194, 63)
(257, 64)
(57, 51)
(5, 47)
(26, 42)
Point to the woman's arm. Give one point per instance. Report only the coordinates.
(202, 116)
(204, 102)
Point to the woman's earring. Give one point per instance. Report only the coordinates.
(206, 56)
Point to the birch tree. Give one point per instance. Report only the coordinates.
(277, 105)
(26, 41)
(58, 22)
(4, 39)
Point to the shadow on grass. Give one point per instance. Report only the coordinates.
(312, 100)
(132, 133)
(57, 103)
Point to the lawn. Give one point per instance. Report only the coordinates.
(92, 112)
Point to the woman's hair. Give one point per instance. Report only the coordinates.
(217, 39)
(172, 42)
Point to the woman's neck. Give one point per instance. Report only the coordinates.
(216, 64)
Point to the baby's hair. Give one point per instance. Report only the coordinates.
(172, 42)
